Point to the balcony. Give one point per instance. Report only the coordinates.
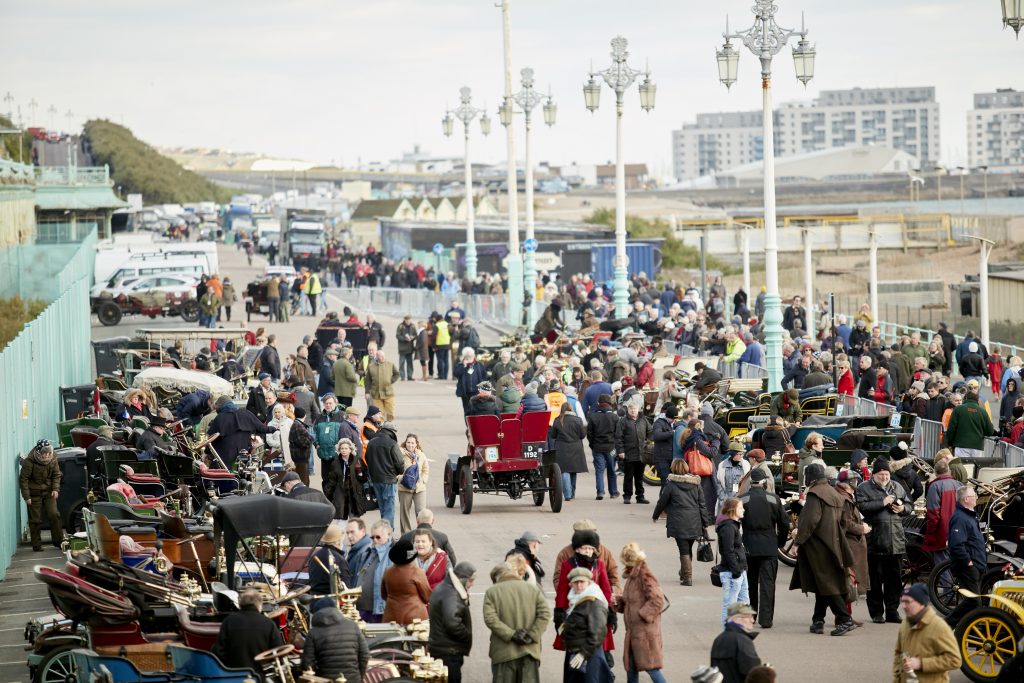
(15, 174)
(73, 175)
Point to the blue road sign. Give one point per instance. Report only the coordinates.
(530, 244)
(438, 248)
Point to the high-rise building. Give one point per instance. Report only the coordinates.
(905, 119)
(717, 142)
(995, 130)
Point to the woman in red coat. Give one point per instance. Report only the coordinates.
(431, 559)
(584, 545)
(846, 383)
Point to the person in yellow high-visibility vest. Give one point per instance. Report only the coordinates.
(554, 398)
(313, 290)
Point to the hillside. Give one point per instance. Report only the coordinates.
(10, 148)
(137, 167)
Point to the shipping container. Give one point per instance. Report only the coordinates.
(644, 257)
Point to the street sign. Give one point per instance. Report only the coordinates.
(530, 244)
(438, 248)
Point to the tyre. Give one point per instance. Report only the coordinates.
(539, 491)
(943, 590)
(74, 522)
(555, 487)
(917, 563)
(248, 312)
(987, 638)
(58, 667)
(450, 493)
(784, 556)
(651, 477)
(109, 313)
(190, 311)
(465, 489)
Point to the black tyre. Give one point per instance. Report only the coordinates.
(450, 494)
(917, 563)
(555, 487)
(190, 311)
(58, 667)
(465, 489)
(987, 638)
(784, 556)
(651, 477)
(943, 589)
(73, 522)
(109, 313)
(539, 491)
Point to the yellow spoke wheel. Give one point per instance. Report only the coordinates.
(988, 639)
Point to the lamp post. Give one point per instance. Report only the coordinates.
(809, 268)
(986, 251)
(766, 39)
(619, 76)
(465, 112)
(1013, 15)
(984, 177)
(515, 259)
(33, 106)
(939, 171)
(961, 171)
(528, 99)
(52, 111)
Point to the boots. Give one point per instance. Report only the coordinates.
(685, 570)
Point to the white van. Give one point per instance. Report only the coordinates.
(126, 252)
(160, 263)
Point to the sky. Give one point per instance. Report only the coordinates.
(348, 81)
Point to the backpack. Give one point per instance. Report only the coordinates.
(411, 477)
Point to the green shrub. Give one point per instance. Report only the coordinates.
(138, 168)
(15, 313)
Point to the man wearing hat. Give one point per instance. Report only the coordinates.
(451, 623)
(294, 488)
(153, 437)
(484, 402)
(527, 545)
(329, 560)
(39, 483)
(926, 644)
(236, 428)
(823, 554)
(884, 504)
(517, 615)
(765, 530)
(730, 472)
(733, 652)
(758, 462)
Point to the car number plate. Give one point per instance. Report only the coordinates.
(531, 451)
(491, 454)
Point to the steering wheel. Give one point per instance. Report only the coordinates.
(275, 653)
(290, 595)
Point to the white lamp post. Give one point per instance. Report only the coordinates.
(766, 39)
(528, 99)
(465, 112)
(619, 76)
(1013, 15)
(986, 251)
(515, 259)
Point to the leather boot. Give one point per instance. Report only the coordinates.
(685, 570)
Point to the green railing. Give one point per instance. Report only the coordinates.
(50, 352)
(13, 173)
(73, 175)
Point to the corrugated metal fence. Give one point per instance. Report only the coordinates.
(52, 351)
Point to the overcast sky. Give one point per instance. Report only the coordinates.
(349, 80)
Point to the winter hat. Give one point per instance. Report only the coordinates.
(671, 411)
(530, 537)
(756, 454)
(325, 602)
(707, 410)
(584, 525)
(758, 475)
(531, 388)
(880, 465)
(587, 537)
(918, 592)
(858, 456)
(972, 347)
(402, 552)
(465, 570)
(580, 573)
(813, 473)
(372, 410)
(898, 450)
(291, 476)
(485, 386)
(332, 536)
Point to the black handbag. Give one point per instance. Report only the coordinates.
(704, 551)
(716, 577)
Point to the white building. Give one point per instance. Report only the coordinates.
(995, 131)
(717, 142)
(846, 163)
(906, 119)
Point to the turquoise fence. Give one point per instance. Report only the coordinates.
(52, 351)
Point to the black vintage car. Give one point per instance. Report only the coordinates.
(256, 300)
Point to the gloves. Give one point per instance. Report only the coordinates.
(559, 618)
(613, 620)
(577, 662)
(521, 637)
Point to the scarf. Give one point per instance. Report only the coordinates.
(592, 591)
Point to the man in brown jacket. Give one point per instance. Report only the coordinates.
(823, 553)
(603, 554)
(39, 480)
(302, 370)
(926, 644)
(381, 375)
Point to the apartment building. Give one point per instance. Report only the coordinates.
(995, 130)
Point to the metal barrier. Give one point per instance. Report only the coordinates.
(423, 302)
(1013, 456)
(927, 437)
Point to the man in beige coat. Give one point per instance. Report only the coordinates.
(926, 645)
(517, 615)
(381, 375)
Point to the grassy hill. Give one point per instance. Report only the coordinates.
(137, 167)
(10, 149)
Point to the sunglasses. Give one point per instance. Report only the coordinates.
(378, 537)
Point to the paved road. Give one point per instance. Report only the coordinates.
(690, 624)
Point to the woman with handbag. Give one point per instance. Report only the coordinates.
(412, 486)
(733, 568)
(688, 516)
(641, 605)
(700, 455)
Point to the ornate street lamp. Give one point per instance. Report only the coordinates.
(1013, 15)
(765, 39)
(619, 77)
(466, 112)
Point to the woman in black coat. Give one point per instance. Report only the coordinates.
(567, 434)
(688, 516)
(733, 566)
(342, 485)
